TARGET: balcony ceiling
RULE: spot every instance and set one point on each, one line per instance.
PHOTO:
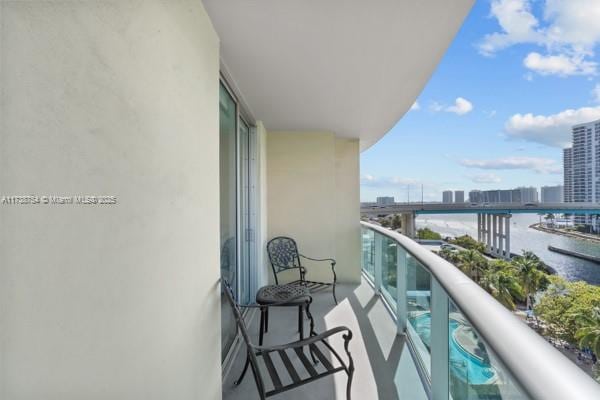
(352, 67)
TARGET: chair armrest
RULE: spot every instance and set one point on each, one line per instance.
(307, 341)
(331, 260)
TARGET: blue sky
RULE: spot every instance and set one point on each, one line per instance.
(498, 110)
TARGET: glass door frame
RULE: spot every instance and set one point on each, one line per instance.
(246, 208)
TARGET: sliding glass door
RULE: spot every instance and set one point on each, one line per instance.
(229, 215)
(236, 182)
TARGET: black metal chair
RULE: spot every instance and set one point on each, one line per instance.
(284, 256)
(296, 373)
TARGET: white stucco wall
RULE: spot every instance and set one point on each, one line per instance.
(313, 196)
(109, 302)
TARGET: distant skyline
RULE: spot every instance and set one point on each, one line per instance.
(499, 108)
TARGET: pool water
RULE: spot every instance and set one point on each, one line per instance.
(463, 364)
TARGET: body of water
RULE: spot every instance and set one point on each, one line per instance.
(524, 238)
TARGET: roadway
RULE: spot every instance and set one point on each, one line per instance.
(480, 208)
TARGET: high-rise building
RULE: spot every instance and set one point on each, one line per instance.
(586, 162)
(475, 196)
(447, 196)
(582, 168)
(528, 195)
(385, 201)
(552, 194)
(518, 195)
(568, 175)
(459, 196)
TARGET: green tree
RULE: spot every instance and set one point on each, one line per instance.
(533, 279)
(503, 285)
(469, 243)
(472, 263)
(589, 332)
(428, 234)
(396, 222)
(563, 304)
(550, 217)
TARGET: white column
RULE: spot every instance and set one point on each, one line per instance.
(501, 235)
(488, 229)
(479, 229)
(507, 234)
(494, 233)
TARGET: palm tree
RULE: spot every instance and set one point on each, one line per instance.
(532, 278)
(472, 263)
(589, 333)
(503, 286)
(550, 217)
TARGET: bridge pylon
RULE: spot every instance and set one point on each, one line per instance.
(493, 230)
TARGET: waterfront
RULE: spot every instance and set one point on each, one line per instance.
(525, 238)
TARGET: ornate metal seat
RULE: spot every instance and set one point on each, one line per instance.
(284, 256)
(299, 369)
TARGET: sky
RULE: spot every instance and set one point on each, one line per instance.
(498, 110)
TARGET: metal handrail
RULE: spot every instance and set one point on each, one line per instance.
(539, 369)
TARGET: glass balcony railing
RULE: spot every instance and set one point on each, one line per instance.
(466, 344)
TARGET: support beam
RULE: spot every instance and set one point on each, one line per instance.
(408, 224)
(501, 240)
(488, 228)
(507, 235)
(494, 234)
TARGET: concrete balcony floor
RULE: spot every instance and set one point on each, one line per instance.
(384, 366)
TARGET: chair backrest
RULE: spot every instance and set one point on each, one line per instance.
(239, 319)
(283, 255)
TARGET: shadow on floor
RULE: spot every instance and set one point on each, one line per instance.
(384, 367)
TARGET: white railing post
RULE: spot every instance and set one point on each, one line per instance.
(439, 342)
(378, 260)
(401, 310)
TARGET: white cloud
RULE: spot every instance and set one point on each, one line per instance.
(552, 130)
(561, 65)
(573, 23)
(370, 180)
(415, 106)
(567, 30)
(461, 106)
(518, 24)
(596, 93)
(539, 165)
(485, 178)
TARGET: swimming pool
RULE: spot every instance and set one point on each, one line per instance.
(464, 365)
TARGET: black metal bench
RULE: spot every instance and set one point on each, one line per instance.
(299, 369)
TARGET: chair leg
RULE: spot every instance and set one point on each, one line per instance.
(300, 322)
(267, 320)
(312, 328)
(259, 384)
(239, 380)
(261, 332)
(349, 386)
(334, 297)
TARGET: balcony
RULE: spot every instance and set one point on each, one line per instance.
(385, 368)
(424, 330)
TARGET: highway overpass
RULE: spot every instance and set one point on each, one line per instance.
(493, 219)
(480, 208)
